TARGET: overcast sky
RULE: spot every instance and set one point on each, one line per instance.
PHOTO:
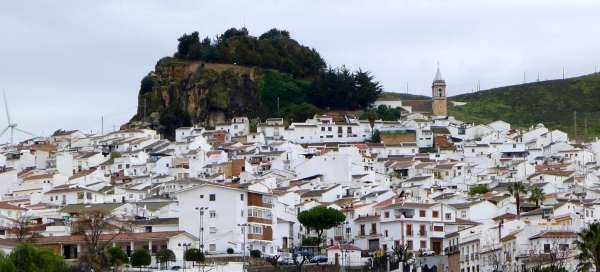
(64, 64)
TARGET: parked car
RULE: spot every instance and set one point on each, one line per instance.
(426, 253)
(319, 259)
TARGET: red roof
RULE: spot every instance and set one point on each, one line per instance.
(129, 236)
(8, 206)
(554, 234)
(82, 173)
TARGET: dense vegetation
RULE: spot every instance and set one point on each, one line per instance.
(382, 112)
(552, 102)
(334, 89)
(238, 74)
(28, 258)
(273, 49)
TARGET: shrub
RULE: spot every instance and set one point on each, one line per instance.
(164, 256)
(479, 189)
(193, 255)
(255, 253)
(116, 256)
(140, 257)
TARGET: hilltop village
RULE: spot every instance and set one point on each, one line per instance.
(460, 196)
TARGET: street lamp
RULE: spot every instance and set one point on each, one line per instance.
(343, 250)
(185, 246)
(243, 226)
(201, 230)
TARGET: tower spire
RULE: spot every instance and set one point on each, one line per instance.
(438, 74)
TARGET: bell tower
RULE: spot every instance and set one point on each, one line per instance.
(439, 104)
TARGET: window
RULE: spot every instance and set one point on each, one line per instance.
(423, 244)
(422, 230)
(242, 197)
(463, 214)
(212, 230)
(546, 248)
(373, 228)
(409, 229)
(148, 228)
(256, 229)
(322, 128)
(212, 247)
(435, 214)
(212, 214)
(438, 228)
(362, 229)
(422, 213)
(211, 197)
(386, 233)
(329, 129)
(409, 245)
(563, 247)
(386, 214)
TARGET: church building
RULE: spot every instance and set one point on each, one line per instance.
(439, 104)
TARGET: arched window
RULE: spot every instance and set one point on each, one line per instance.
(440, 92)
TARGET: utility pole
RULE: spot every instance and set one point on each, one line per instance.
(201, 227)
(524, 78)
(407, 87)
(575, 125)
(102, 125)
(144, 108)
(243, 226)
(585, 131)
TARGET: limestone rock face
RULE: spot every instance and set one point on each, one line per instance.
(208, 92)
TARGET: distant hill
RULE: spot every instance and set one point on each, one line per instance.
(552, 102)
(403, 96)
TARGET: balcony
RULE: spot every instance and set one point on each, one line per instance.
(451, 250)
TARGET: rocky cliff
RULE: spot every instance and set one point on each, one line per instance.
(208, 81)
(206, 92)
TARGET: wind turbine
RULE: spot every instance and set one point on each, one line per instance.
(11, 126)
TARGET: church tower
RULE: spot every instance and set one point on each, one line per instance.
(439, 104)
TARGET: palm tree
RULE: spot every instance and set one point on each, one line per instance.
(516, 189)
(536, 195)
(588, 245)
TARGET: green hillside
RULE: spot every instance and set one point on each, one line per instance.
(552, 102)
